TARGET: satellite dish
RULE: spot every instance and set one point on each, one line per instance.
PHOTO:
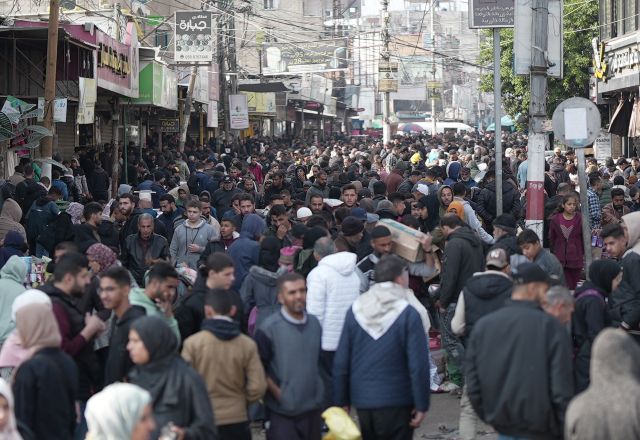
(68, 4)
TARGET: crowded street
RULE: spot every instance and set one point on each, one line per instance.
(319, 220)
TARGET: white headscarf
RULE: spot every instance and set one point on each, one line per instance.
(31, 296)
(114, 412)
(10, 432)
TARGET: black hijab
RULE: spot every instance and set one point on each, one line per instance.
(432, 204)
(269, 253)
(162, 344)
(602, 273)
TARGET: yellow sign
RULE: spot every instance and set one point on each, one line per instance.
(599, 64)
(109, 57)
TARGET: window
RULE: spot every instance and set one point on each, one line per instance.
(270, 4)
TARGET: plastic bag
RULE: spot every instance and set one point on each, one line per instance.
(341, 426)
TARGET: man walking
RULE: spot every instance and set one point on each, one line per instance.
(463, 256)
(144, 249)
(229, 363)
(382, 363)
(518, 369)
(115, 285)
(289, 346)
(332, 286)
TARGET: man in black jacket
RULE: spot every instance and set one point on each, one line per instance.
(487, 198)
(463, 256)
(98, 183)
(144, 249)
(87, 233)
(218, 273)
(518, 369)
(115, 284)
(484, 293)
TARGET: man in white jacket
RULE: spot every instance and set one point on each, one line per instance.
(332, 287)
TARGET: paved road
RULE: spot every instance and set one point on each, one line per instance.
(441, 422)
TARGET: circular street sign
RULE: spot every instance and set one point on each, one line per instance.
(576, 122)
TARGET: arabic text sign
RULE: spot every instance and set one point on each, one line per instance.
(602, 146)
(314, 56)
(170, 125)
(238, 112)
(193, 36)
(491, 13)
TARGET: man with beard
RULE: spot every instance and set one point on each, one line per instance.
(319, 188)
(70, 278)
(158, 295)
(221, 198)
(126, 205)
(144, 249)
(170, 212)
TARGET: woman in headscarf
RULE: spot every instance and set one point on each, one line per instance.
(75, 210)
(9, 429)
(427, 211)
(120, 411)
(591, 314)
(259, 288)
(609, 408)
(13, 244)
(179, 395)
(13, 353)
(46, 384)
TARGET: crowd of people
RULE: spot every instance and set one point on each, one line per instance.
(259, 284)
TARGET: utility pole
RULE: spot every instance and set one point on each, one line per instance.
(386, 38)
(50, 84)
(538, 140)
(186, 109)
(497, 100)
(433, 68)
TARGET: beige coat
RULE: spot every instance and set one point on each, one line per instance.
(232, 371)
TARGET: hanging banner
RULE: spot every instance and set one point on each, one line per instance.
(193, 36)
(314, 56)
(88, 97)
(59, 110)
(212, 114)
(238, 112)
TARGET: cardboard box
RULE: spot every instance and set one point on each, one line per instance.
(406, 241)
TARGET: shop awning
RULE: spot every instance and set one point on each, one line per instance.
(263, 87)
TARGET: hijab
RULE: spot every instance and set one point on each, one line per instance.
(13, 353)
(103, 255)
(161, 343)
(602, 273)
(269, 253)
(37, 328)
(75, 210)
(114, 412)
(10, 432)
(432, 204)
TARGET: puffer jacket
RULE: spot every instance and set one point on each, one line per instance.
(10, 219)
(332, 287)
(463, 256)
(484, 293)
(487, 201)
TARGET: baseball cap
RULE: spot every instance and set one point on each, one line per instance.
(530, 273)
(497, 258)
(421, 188)
(303, 212)
(227, 179)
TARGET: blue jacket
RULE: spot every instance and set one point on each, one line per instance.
(391, 371)
(245, 250)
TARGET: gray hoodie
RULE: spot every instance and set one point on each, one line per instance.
(185, 235)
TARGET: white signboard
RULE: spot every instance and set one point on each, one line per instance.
(193, 36)
(602, 146)
(212, 114)
(59, 110)
(238, 112)
(88, 98)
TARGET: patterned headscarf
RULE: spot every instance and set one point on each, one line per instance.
(75, 210)
(103, 255)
